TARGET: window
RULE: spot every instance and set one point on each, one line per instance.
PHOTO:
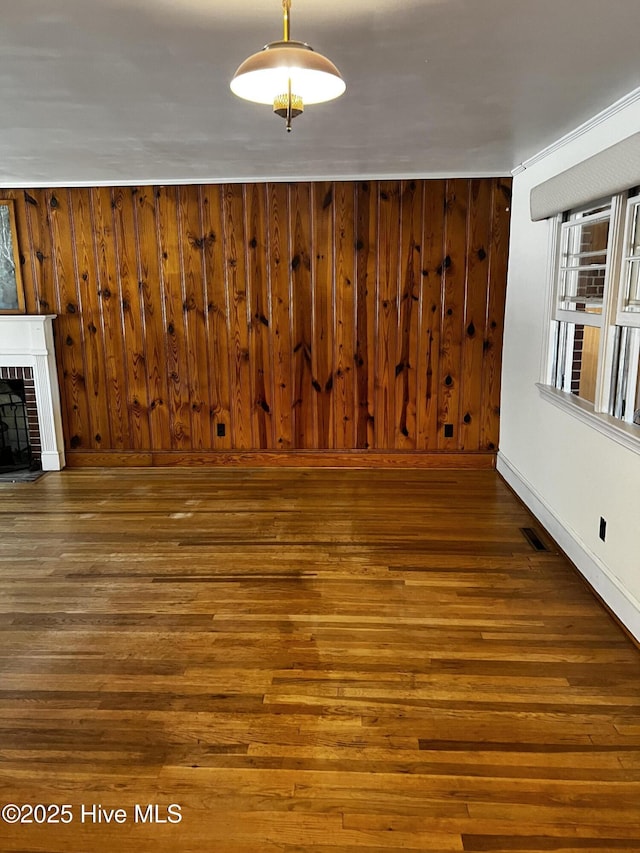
(626, 391)
(595, 336)
(630, 292)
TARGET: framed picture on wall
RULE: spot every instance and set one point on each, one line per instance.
(11, 289)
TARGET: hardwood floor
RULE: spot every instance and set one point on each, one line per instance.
(306, 661)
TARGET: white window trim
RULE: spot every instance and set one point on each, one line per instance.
(548, 352)
(627, 318)
(597, 417)
(611, 288)
(563, 227)
(579, 318)
(614, 428)
(630, 407)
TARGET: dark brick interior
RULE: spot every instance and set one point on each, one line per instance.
(26, 374)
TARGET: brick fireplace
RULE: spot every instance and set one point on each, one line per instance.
(27, 355)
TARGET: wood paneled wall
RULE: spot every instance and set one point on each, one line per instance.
(276, 317)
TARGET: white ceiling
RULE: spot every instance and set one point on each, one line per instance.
(125, 91)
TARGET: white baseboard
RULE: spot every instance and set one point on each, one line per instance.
(621, 602)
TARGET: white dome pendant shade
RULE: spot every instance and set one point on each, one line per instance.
(287, 74)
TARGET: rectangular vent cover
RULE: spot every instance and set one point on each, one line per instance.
(533, 539)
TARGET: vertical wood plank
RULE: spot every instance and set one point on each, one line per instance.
(344, 325)
(111, 307)
(89, 308)
(408, 315)
(323, 194)
(278, 218)
(69, 323)
(366, 276)
(39, 253)
(217, 329)
(389, 213)
(153, 317)
(259, 294)
(25, 254)
(235, 272)
(174, 302)
(452, 311)
(305, 429)
(192, 242)
(476, 291)
(494, 326)
(430, 312)
(134, 340)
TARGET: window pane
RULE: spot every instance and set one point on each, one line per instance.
(586, 243)
(635, 231)
(632, 301)
(576, 365)
(626, 376)
(631, 265)
(585, 363)
(583, 262)
(582, 290)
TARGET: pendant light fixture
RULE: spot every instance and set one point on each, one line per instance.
(288, 74)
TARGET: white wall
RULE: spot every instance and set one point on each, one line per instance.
(565, 471)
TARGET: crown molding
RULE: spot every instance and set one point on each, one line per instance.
(159, 181)
(618, 106)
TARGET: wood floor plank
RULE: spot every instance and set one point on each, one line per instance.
(306, 660)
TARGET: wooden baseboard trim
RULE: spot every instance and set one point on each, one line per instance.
(280, 459)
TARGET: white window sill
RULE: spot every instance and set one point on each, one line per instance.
(623, 433)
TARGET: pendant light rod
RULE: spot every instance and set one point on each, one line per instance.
(286, 8)
(289, 106)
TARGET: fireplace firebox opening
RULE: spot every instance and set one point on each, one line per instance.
(19, 434)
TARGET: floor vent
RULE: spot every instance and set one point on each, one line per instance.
(533, 539)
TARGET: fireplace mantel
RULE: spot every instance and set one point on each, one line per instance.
(27, 341)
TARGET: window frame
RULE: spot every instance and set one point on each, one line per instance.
(610, 321)
(565, 225)
(627, 408)
(628, 318)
